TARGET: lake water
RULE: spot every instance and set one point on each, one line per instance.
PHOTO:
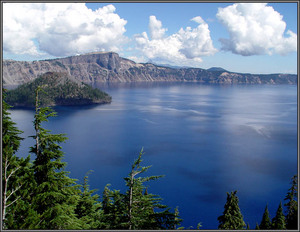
(206, 139)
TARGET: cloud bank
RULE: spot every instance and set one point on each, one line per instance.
(255, 29)
(186, 46)
(61, 29)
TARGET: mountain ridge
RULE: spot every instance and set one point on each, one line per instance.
(101, 67)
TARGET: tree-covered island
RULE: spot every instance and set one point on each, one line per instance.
(57, 89)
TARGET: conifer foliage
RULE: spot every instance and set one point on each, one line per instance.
(15, 172)
(278, 222)
(232, 218)
(55, 194)
(265, 223)
(292, 205)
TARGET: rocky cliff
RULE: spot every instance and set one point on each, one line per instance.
(110, 67)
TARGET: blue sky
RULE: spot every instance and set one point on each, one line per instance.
(248, 38)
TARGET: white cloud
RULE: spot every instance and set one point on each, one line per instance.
(186, 47)
(60, 29)
(155, 28)
(255, 29)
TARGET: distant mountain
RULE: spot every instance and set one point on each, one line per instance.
(58, 89)
(110, 67)
(217, 69)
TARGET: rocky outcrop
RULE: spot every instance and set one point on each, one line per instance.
(110, 67)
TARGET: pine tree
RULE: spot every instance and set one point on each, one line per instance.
(143, 207)
(278, 222)
(292, 205)
(232, 218)
(88, 207)
(257, 226)
(265, 223)
(248, 226)
(16, 175)
(56, 194)
(114, 210)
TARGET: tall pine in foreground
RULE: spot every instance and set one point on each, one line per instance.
(232, 218)
(265, 223)
(55, 194)
(16, 176)
(292, 205)
(278, 222)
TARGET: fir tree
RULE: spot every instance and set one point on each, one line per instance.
(16, 176)
(145, 210)
(248, 226)
(292, 205)
(257, 226)
(232, 219)
(114, 210)
(278, 222)
(88, 207)
(265, 223)
(55, 195)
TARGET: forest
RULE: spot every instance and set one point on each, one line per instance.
(37, 193)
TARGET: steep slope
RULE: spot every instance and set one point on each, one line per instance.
(58, 89)
(110, 67)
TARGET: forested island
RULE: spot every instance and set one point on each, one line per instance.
(41, 195)
(57, 89)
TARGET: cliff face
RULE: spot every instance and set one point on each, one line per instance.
(109, 67)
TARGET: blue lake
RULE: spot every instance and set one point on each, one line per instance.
(206, 139)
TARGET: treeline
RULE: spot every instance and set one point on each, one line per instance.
(41, 195)
(58, 89)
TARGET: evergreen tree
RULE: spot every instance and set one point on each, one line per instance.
(56, 194)
(257, 226)
(265, 223)
(292, 205)
(114, 210)
(248, 226)
(16, 176)
(232, 219)
(88, 207)
(278, 222)
(142, 206)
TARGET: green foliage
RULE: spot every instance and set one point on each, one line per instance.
(55, 194)
(265, 223)
(292, 205)
(114, 209)
(257, 227)
(88, 207)
(16, 175)
(278, 222)
(232, 218)
(136, 209)
(58, 89)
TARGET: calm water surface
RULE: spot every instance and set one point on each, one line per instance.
(206, 139)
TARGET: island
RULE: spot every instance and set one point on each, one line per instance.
(58, 89)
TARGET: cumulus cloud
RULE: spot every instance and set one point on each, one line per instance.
(60, 29)
(255, 29)
(187, 46)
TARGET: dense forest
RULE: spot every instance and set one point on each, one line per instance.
(39, 194)
(58, 89)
